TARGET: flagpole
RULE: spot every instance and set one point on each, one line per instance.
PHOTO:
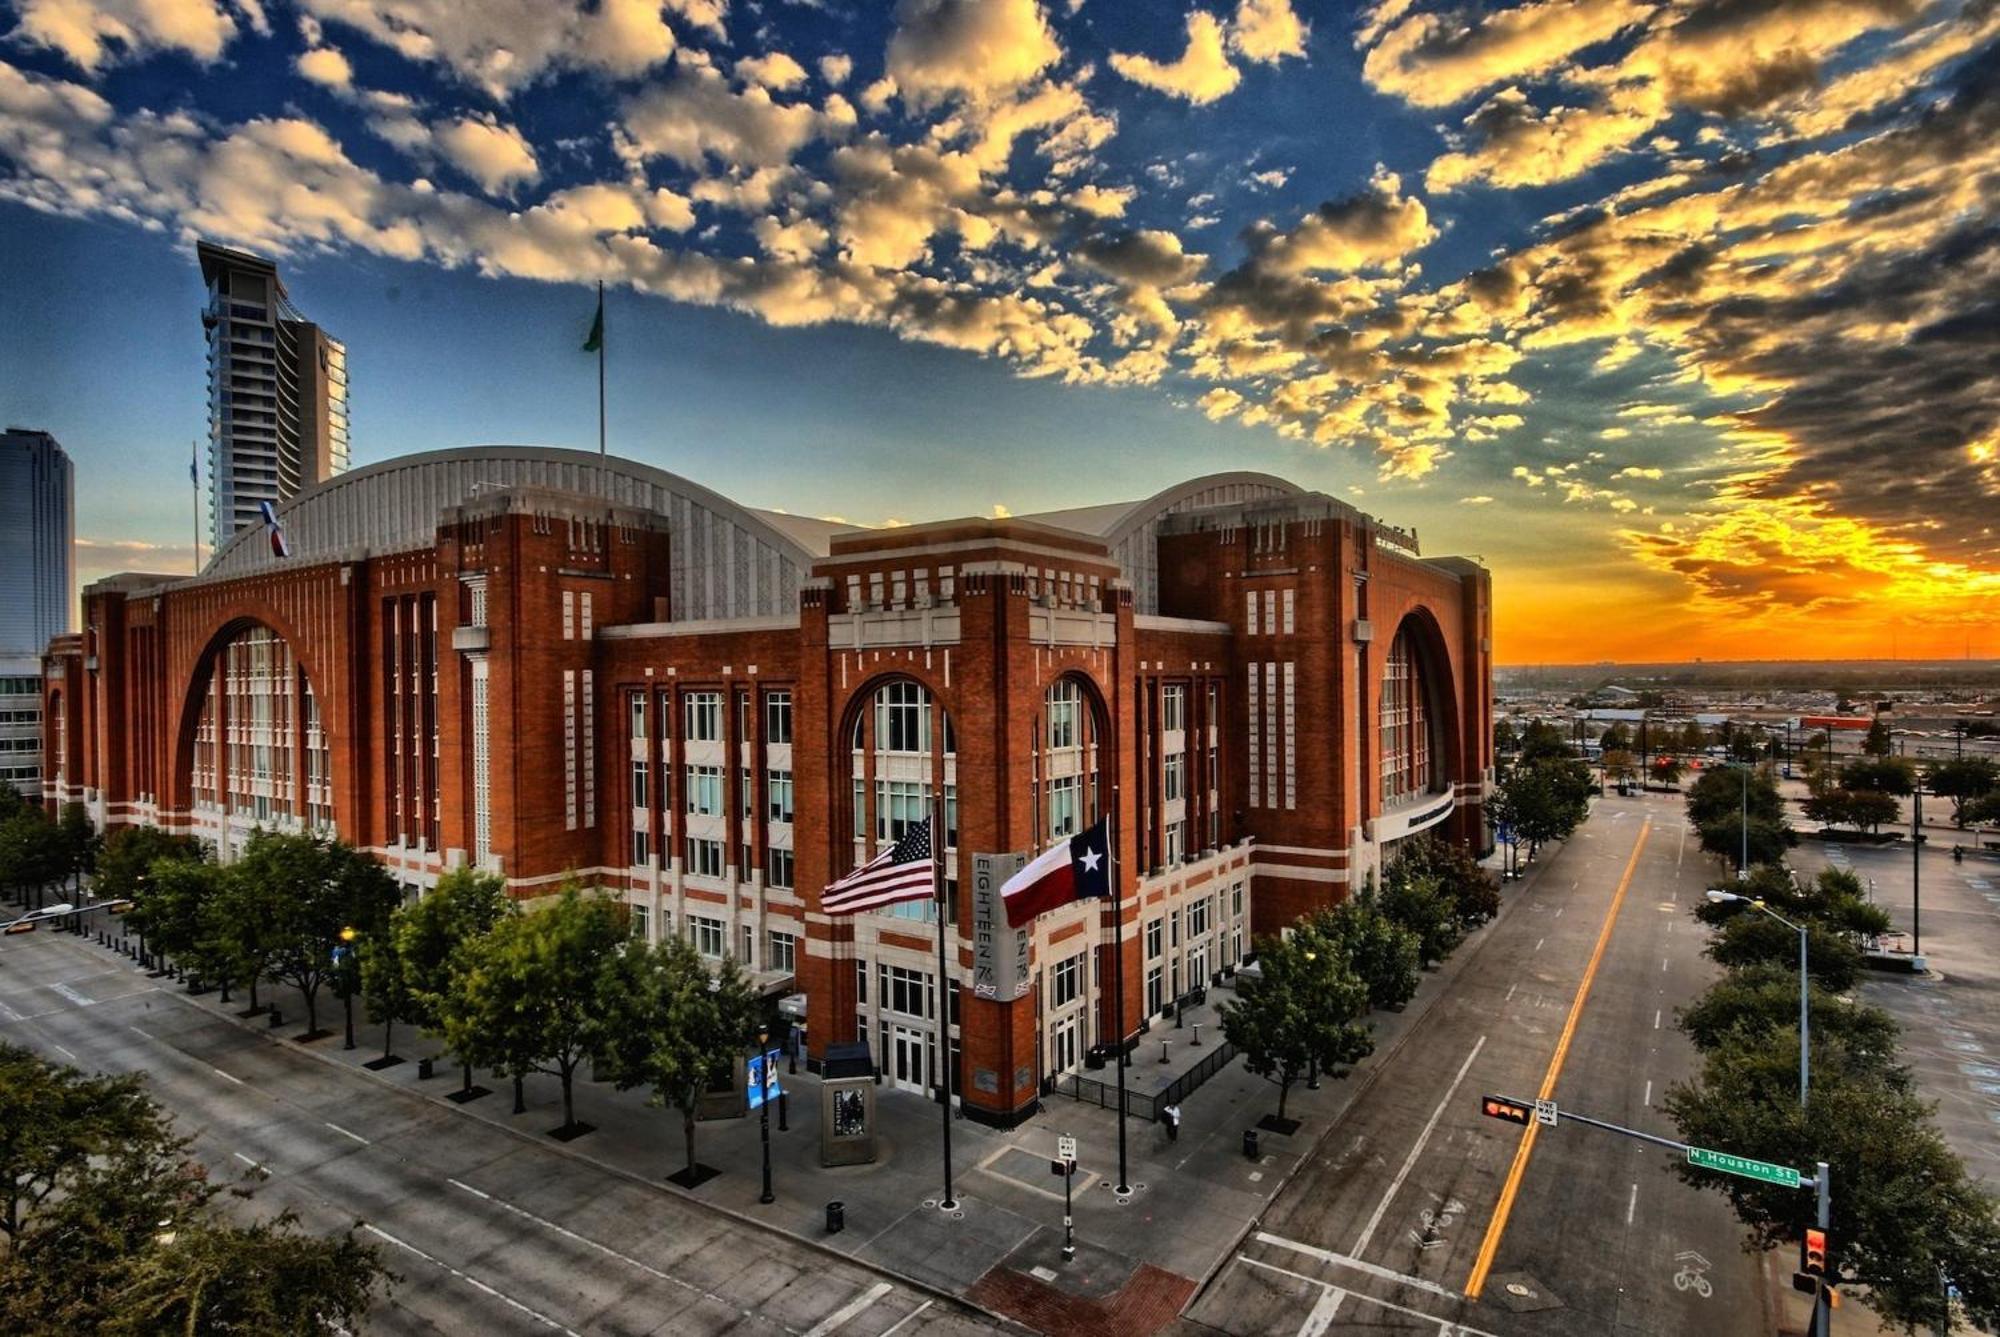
(1124, 1187)
(600, 368)
(194, 482)
(950, 1202)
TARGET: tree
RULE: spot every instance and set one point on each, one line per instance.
(1617, 738)
(1667, 770)
(323, 886)
(531, 987)
(385, 983)
(1753, 939)
(30, 853)
(1751, 1004)
(1383, 953)
(1504, 735)
(665, 1023)
(1878, 743)
(111, 1228)
(77, 842)
(1964, 780)
(432, 936)
(1693, 738)
(1904, 1210)
(1469, 889)
(1620, 766)
(1885, 775)
(125, 864)
(1859, 809)
(248, 928)
(1543, 800)
(1303, 1009)
(1542, 741)
(1983, 811)
(1717, 794)
(172, 909)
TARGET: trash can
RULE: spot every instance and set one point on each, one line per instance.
(426, 1067)
(1250, 1144)
(836, 1217)
(277, 1019)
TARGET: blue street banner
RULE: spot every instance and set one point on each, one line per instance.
(753, 1074)
(1504, 834)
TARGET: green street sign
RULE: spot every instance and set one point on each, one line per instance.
(1782, 1175)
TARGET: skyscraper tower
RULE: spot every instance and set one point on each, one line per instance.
(37, 595)
(277, 391)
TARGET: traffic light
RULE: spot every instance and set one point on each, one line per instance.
(1513, 1111)
(1815, 1251)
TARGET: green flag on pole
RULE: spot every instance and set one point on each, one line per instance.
(595, 342)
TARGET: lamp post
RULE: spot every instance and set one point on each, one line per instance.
(347, 936)
(764, 1109)
(1743, 868)
(1805, 1052)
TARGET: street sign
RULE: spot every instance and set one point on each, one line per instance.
(1545, 1112)
(1499, 1107)
(1065, 1148)
(1782, 1175)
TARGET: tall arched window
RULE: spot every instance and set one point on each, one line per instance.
(261, 750)
(902, 748)
(1066, 776)
(1407, 723)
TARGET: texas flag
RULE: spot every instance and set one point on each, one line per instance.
(280, 546)
(1076, 869)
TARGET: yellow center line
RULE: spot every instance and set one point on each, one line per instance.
(1498, 1225)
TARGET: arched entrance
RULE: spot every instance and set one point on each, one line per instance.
(258, 753)
(1418, 732)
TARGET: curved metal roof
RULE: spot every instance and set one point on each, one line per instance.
(729, 560)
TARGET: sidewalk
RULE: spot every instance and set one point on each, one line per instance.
(1139, 1259)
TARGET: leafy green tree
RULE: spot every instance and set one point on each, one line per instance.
(1617, 738)
(125, 863)
(385, 982)
(172, 909)
(250, 925)
(1857, 809)
(1832, 900)
(432, 935)
(30, 853)
(1303, 1009)
(1753, 939)
(1878, 743)
(1543, 741)
(1420, 903)
(1904, 1209)
(1718, 794)
(666, 1023)
(531, 987)
(1504, 735)
(1471, 890)
(1620, 766)
(1386, 955)
(111, 1228)
(1693, 738)
(1884, 775)
(1668, 770)
(1964, 780)
(1982, 811)
(322, 886)
(77, 841)
(1753, 1003)
(1543, 800)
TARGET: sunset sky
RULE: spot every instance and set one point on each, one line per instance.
(1685, 317)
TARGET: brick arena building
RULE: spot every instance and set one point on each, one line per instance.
(552, 664)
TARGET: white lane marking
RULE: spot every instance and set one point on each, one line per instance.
(834, 1321)
(64, 1052)
(1559, 912)
(9, 1014)
(1323, 1311)
(604, 1249)
(1631, 1204)
(246, 1160)
(472, 1281)
(226, 1076)
(1663, 965)
(1539, 942)
(80, 999)
(344, 1133)
(910, 1317)
(1656, 1018)
(1458, 1329)
(1648, 1100)
(1510, 992)
(1410, 1161)
(1359, 1265)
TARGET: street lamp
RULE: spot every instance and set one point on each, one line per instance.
(1727, 897)
(346, 955)
(1743, 868)
(764, 1108)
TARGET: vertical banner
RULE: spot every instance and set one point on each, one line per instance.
(999, 953)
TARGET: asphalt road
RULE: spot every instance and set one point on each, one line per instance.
(489, 1232)
(1384, 1230)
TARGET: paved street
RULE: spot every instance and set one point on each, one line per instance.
(1383, 1231)
(489, 1231)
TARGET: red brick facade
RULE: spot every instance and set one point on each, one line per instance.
(519, 690)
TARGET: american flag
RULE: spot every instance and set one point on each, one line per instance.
(900, 873)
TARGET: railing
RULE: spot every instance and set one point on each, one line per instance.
(1139, 1104)
(1176, 1090)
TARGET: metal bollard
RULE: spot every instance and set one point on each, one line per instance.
(836, 1217)
(1250, 1144)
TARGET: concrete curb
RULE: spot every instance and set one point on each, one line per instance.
(583, 1158)
(1381, 1061)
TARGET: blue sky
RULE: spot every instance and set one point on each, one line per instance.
(1675, 313)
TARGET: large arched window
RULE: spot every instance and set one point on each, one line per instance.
(1066, 763)
(1409, 722)
(260, 749)
(902, 749)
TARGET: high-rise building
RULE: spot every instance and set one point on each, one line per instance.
(277, 391)
(37, 528)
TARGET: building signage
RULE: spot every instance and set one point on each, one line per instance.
(999, 953)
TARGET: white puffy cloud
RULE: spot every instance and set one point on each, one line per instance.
(497, 156)
(696, 114)
(326, 66)
(94, 33)
(1267, 31)
(835, 67)
(773, 69)
(968, 48)
(1202, 74)
(1435, 59)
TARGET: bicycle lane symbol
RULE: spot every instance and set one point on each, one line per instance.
(1693, 1274)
